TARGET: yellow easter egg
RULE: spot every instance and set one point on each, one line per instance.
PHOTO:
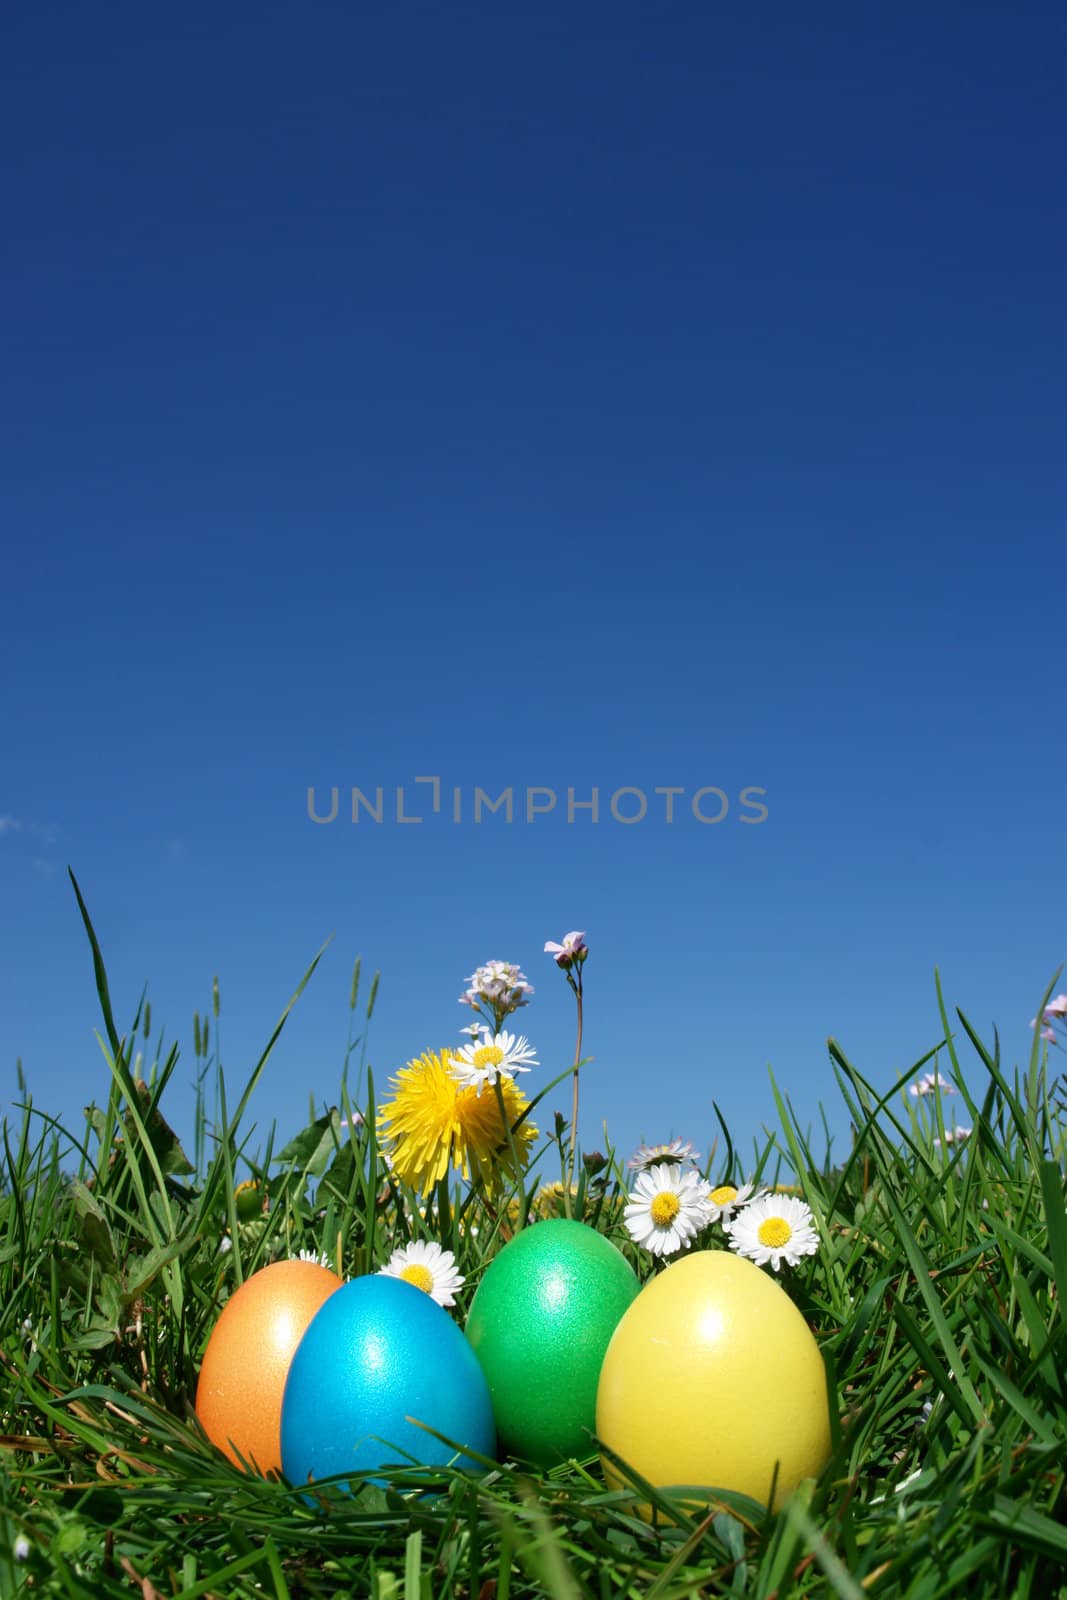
(713, 1377)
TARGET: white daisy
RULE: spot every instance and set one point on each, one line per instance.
(727, 1199)
(667, 1209)
(315, 1257)
(424, 1264)
(651, 1155)
(498, 1055)
(774, 1228)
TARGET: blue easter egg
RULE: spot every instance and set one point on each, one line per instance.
(378, 1353)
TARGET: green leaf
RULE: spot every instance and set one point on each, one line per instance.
(311, 1150)
(70, 1539)
(173, 1161)
(731, 1535)
(141, 1274)
(94, 1226)
(109, 1299)
(95, 1337)
(339, 1175)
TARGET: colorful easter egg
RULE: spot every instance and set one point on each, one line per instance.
(540, 1322)
(380, 1358)
(714, 1378)
(246, 1362)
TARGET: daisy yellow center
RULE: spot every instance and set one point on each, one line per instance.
(664, 1208)
(775, 1232)
(419, 1275)
(724, 1195)
(488, 1055)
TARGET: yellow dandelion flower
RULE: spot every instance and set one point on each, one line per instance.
(549, 1200)
(432, 1122)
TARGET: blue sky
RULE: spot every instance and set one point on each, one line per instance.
(551, 397)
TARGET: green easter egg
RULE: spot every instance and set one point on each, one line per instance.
(540, 1322)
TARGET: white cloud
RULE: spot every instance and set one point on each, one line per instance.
(46, 832)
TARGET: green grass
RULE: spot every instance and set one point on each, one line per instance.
(937, 1298)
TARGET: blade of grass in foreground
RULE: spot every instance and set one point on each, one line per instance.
(98, 969)
(842, 1584)
(921, 1273)
(1056, 1223)
(542, 1555)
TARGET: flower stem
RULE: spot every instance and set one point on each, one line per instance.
(569, 1185)
(516, 1163)
(444, 1213)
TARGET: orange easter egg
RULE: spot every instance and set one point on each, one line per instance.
(246, 1363)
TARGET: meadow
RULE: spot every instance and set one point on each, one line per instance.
(936, 1294)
